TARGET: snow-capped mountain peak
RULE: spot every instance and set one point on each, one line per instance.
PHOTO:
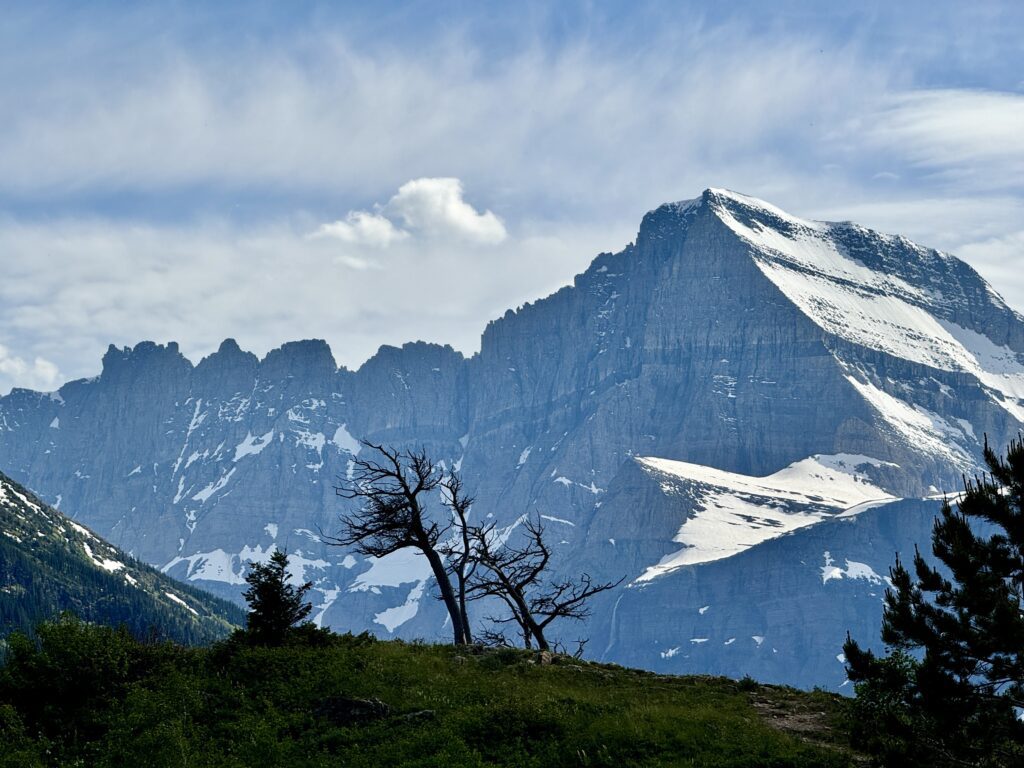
(739, 385)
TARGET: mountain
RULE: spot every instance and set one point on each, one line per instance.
(744, 413)
(50, 563)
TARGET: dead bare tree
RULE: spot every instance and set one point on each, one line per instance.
(516, 575)
(392, 487)
(458, 550)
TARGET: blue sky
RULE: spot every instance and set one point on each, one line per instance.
(376, 173)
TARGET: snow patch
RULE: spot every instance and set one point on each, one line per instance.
(558, 520)
(870, 308)
(106, 564)
(330, 597)
(226, 568)
(181, 602)
(733, 512)
(81, 529)
(344, 441)
(401, 567)
(312, 440)
(214, 487)
(524, 456)
(853, 570)
(920, 428)
(216, 565)
(392, 618)
(252, 446)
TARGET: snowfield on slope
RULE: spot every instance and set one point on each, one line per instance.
(732, 512)
(873, 309)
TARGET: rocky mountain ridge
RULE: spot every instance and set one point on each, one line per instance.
(736, 380)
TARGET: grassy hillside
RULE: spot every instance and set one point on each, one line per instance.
(88, 695)
(49, 564)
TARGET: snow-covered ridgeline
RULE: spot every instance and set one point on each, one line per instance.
(733, 512)
(873, 309)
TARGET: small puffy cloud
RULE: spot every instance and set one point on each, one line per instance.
(436, 208)
(428, 208)
(363, 228)
(15, 371)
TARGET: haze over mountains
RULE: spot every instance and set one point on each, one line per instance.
(742, 412)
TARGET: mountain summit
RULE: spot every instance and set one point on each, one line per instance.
(743, 412)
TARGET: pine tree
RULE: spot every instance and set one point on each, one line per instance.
(950, 688)
(275, 605)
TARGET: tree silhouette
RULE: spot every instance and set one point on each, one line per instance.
(275, 605)
(517, 574)
(393, 490)
(458, 550)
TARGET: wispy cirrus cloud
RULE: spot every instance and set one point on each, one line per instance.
(331, 183)
(971, 139)
(575, 127)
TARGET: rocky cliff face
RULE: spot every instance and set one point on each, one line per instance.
(734, 383)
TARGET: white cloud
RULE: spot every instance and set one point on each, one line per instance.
(999, 260)
(569, 145)
(430, 208)
(107, 282)
(970, 137)
(38, 374)
(363, 228)
(435, 207)
(582, 128)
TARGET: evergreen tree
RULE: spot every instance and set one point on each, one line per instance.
(275, 605)
(950, 688)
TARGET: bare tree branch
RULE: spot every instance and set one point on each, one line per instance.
(392, 487)
(517, 576)
(459, 550)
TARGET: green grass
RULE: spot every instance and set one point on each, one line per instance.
(236, 705)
